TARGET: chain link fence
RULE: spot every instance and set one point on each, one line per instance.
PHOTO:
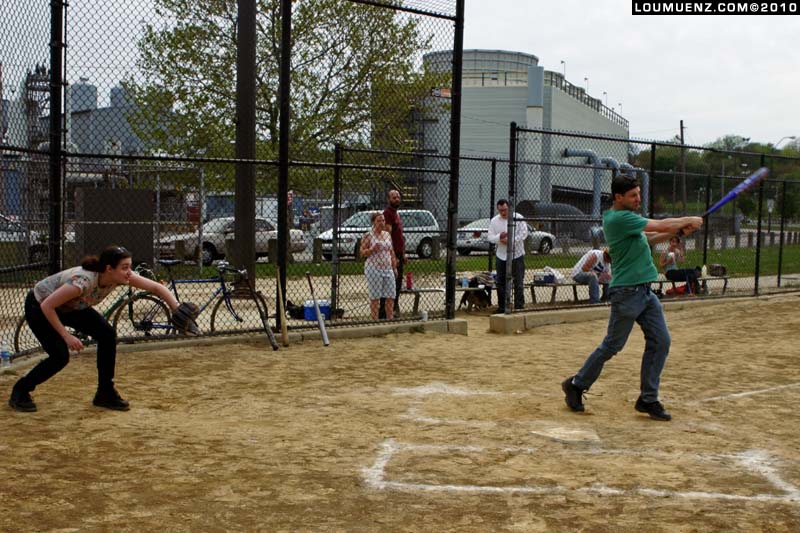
(149, 100)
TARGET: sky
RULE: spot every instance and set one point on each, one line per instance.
(721, 75)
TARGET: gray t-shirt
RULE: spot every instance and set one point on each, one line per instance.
(86, 280)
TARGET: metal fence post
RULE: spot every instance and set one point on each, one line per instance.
(245, 207)
(705, 226)
(652, 178)
(511, 222)
(783, 226)
(284, 95)
(455, 151)
(491, 210)
(337, 191)
(56, 212)
(758, 232)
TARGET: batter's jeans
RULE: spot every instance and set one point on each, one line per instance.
(86, 321)
(636, 303)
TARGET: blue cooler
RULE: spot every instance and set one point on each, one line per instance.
(324, 308)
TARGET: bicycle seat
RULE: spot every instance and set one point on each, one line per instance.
(169, 262)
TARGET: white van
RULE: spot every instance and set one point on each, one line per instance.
(419, 228)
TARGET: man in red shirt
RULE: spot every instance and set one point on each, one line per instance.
(395, 228)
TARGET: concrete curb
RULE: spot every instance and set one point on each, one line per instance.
(518, 322)
(455, 327)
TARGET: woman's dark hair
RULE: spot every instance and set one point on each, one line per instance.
(375, 215)
(111, 256)
(622, 183)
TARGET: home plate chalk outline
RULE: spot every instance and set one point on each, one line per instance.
(754, 461)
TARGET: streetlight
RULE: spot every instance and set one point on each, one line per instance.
(620, 107)
(564, 68)
(775, 145)
(605, 95)
(587, 84)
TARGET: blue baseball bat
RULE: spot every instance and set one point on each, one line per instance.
(749, 182)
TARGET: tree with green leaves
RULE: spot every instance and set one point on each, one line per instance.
(355, 77)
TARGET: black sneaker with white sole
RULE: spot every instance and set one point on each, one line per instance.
(573, 395)
(654, 409)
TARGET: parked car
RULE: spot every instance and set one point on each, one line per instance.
(419, 227)
(474, 237)
(34, 241)
(216, 230)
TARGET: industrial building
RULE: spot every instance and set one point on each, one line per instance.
(500, 87)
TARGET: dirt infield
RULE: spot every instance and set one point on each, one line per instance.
(422, 432)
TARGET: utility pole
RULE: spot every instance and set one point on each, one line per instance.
(683, 170)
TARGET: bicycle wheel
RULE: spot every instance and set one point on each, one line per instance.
(24, 339)
(142, 316)
(245, 315)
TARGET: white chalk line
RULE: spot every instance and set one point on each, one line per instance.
(748, 393)
(756, 462)
(448, 390)
(553, 432)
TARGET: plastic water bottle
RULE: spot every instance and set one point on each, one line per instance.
(704, 271)
(5, 354)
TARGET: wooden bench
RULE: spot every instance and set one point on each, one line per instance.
(703, 282)
(417, 292)
(555, 286)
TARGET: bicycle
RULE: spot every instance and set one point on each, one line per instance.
(25, 341)
(147, 315)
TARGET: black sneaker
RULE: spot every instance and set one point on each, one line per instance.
(21, 401)
(654, 409)
(573, 395)
(110, 399)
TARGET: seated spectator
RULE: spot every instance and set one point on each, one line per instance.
(671, 257)
(593, 269)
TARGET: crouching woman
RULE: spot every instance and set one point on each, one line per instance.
(67, 298)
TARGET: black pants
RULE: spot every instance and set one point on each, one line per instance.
(398, 283)
(518, 275)
(689, 275)
(87, 321)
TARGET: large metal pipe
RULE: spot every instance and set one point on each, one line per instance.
(597, 164)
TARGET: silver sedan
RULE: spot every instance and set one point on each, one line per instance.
(473, 237)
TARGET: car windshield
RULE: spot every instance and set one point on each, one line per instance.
(359, 220)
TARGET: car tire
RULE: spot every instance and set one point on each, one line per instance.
(38, 254)
(464, 251)
(208, 253)
(425, 248)
(546, 246)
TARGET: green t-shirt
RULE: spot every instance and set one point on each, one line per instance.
(631, 258)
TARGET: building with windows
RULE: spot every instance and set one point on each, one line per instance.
(500, 87)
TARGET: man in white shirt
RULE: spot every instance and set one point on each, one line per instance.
(593, 269)
(498, 235)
